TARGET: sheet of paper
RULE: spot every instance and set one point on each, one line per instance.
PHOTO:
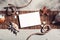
(29, 19)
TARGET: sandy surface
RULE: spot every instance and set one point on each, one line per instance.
(53, 34)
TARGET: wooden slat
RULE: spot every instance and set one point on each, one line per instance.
(11, 18)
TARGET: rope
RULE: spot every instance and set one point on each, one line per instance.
(36, 34)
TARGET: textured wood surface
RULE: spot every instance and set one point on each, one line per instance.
(11, 18)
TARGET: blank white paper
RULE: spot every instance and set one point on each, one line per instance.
(29, 19)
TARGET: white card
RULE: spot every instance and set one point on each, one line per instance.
(29, 19)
